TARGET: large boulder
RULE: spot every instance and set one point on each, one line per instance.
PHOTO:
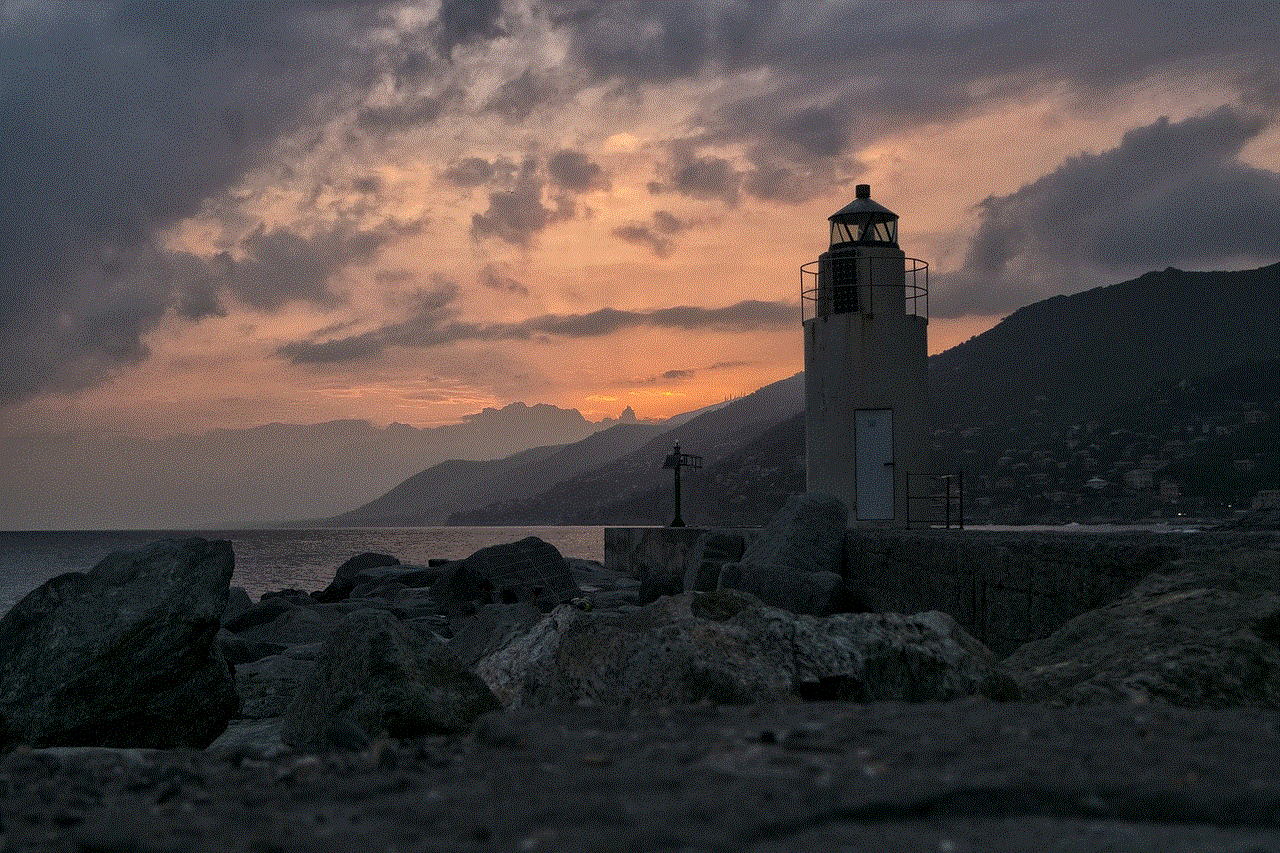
(530, 570)
(290, 621)
(710, 553)
(346, 576)
(489, 629)
(123, 655)
(797, 561)
(237, 650)
(1204, 634)
(728, 647)
(288, 624)
(238, 601)
(375, 675)
(268, 685)
(387, 581)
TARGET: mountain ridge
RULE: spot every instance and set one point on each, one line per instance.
(1067, 356)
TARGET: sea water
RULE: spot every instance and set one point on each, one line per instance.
(269, 560)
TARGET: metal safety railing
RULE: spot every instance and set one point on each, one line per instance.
(875, 282)
(943, 494)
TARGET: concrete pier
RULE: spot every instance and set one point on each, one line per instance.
(1006, 587)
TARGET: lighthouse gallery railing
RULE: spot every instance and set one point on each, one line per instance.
(914, 290)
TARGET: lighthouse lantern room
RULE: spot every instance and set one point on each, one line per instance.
(865, 311)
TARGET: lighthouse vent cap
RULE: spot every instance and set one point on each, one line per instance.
(863, 221)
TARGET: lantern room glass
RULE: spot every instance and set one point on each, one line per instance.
(870, 228)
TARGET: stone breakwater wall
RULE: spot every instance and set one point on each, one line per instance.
(655, 556)
(1005, 588)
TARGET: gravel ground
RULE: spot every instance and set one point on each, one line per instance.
(970, 775)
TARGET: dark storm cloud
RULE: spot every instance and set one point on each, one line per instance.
(1170, 193)
(840, 74)
(575, 172)
(656, 236)
(681, 373)
(116, 121)
(414, 112)
(668, 223)
(280, 266)
(817, 131)
(516, 215)
(430, 313)
(643, 235)
(646, 42)
(400, 275)
(700, 177)
(498, 277)
(119, 119)
(515, 99)
(513, 215)
(463, 22)
(434, 328)
(468, 172)
(771, 181)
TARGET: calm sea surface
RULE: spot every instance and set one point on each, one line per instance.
(271, 559)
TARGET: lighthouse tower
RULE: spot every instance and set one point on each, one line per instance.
(865, 310)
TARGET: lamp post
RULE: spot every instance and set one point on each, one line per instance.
(675, 461)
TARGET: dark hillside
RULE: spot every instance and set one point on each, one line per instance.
(597, 496)
(1092, 351)
(430, 496)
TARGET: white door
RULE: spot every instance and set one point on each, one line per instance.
(874, 452)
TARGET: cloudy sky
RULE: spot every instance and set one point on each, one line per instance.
(227, 215)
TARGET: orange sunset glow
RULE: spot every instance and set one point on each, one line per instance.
(232, 215)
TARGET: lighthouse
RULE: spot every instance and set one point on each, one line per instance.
(865, 313)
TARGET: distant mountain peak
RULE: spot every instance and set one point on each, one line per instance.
(519, 411)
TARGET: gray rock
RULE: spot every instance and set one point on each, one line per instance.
(386, 590)
(250, 738)
(797, 561)
(815, 593)
(491, 628)
(260, 613)
(712, 550)
(389, 581)
(806, 535)
(592, 576)
(407, 574)
(614, 598)
(293, 625)
(380, 676)
(130, 756)
(727, 647)
(267, 686)
(123, 655)
(294, 596)
(237, 650)
(1204, 634)
(344, 578)
(238, 602)
(304, 651)
(412, 603)
(526, 571)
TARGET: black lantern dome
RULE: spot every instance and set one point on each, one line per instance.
(862, 222)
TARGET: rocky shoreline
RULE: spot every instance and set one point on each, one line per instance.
(518, 700)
